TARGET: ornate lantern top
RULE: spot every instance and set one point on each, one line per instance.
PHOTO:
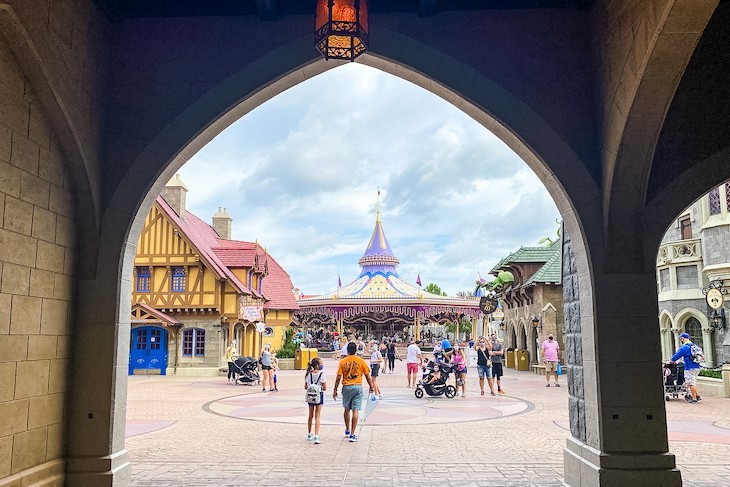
(341, 28)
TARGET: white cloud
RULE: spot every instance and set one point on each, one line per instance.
(300, 175)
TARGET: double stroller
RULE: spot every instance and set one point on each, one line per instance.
(434, 381)
(674, 385)
(247, 370)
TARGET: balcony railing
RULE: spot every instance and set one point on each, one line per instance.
(681, 251)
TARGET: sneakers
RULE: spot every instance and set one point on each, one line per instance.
(547, 385)
(316, 440)
(557, 385)
(347, 433)
(353, 438)
(309, 436)
(380, 396)
(501, 391)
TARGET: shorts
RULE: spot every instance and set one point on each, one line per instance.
(551, 367)
(497, 370)
(321, 400)
(374, 370)
(462, 371)
(484, 371)
(690, 376)
(412, 367)
(352, 397)
(266, 367)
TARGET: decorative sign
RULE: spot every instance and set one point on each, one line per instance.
(260, 326)
(250, 313)
(488, 304)
(715, 298)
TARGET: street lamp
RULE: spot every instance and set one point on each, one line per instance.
(536, 323)
(502, 326)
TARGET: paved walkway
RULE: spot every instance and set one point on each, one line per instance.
(201, 431)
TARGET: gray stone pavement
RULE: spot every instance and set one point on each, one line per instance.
(179, 441)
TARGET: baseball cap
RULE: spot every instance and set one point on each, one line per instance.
(684, 335)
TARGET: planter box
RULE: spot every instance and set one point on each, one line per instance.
(707, 386)
(286, 364)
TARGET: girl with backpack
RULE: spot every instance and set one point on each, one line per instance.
(315, 383)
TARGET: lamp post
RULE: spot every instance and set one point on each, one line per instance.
(536, 323)
(718, 319)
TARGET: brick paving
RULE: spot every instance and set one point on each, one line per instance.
(175, 438)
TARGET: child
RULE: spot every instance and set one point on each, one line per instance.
(274, 367)
(313, 381)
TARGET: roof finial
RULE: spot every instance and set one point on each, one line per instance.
(377, 207)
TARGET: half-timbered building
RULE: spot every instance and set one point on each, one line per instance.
(195, 289)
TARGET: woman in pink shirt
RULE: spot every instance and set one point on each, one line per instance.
(459, 361)
(550, 357)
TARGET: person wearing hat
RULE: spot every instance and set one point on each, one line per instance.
(551, 357)
(691, 368)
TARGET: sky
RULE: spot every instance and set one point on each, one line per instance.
(301, 173)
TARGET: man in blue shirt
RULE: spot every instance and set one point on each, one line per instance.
(691, 368)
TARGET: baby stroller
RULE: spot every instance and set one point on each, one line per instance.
(438, 387)
(674, 381)
(247, 370)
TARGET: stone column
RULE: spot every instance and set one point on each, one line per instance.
(675, 335)
(707, 346)
(665, 350)
(616, 407)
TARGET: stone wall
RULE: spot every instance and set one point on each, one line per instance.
(715, 248)
(573, 342)
(37, 260)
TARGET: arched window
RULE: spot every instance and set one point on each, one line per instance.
(694, 329)
(193, 344)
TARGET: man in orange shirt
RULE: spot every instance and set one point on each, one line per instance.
(350, 372)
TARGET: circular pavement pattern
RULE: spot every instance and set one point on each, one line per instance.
(398, 407)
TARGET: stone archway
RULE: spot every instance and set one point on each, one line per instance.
(97, 447)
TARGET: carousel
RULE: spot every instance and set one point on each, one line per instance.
(379, 303)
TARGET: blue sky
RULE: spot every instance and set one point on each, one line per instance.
(301, 173)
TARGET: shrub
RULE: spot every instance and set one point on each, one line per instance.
(289, 347)
(715, 374)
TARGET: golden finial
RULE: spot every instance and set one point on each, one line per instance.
(377, 208)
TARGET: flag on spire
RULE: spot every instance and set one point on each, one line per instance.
(339, 281)
(418, 279)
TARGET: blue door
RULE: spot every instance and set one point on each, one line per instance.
(148, 351)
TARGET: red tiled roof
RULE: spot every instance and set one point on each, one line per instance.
(221, 255)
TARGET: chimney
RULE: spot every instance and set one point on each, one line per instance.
(174, 193)
(222, 223)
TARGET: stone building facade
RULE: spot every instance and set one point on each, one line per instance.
(533, 304)
(695, 251)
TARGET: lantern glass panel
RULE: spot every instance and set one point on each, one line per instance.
(322, 14)
(344, 11)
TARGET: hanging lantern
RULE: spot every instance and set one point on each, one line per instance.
(341, 28)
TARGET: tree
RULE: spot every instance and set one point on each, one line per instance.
(434, 289)
(464, 294)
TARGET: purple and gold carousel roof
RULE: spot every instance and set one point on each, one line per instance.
(380, 288)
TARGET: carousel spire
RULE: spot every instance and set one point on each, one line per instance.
(378, 255)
